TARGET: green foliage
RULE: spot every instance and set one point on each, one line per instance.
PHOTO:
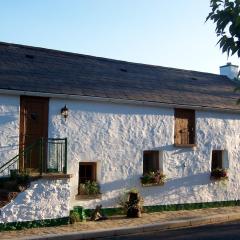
(74, 217)
(89, 188)
(153, 178)
(226, 15)
(80, 212)
(33, 224)
(20, 178)
(123, 200)
(219, 174)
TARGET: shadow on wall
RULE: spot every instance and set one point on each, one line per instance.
(171, 186)
(107, 108)
(8, 118)
(166, 191)
(9, 147)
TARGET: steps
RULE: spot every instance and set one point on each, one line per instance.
(6, 196)
(9, 189)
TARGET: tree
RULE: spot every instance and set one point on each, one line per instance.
(226, 15)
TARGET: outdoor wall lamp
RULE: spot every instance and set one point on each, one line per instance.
(64, 112)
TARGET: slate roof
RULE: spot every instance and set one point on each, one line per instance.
(35, 69)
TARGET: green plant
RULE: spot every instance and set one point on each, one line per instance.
(153, 178)
(13, 174)
(219, 174)
(19, 180)
(226, 15)
(89, 188)
(131, 203)
(74, 217)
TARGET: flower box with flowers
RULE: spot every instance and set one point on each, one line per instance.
(153, 179)
(219, 174)
(88, 190)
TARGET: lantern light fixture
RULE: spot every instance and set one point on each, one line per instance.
(64, 112)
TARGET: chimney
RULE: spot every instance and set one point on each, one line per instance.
(229, 70)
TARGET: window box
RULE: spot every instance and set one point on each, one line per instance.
(152, 184)
(88, 197)
(89, 188)
(219, 174)
(153, 179)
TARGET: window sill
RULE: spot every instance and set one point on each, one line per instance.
(217, 179)
(53, 176)
(185, 145)
(152, 184)
(88, 197)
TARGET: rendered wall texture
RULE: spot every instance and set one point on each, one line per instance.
(115, 136)
(9, 127)
(45, 199)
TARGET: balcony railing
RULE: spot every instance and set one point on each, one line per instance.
(43, 156)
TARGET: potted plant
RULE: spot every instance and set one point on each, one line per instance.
(132, 203)
(219, 174)
(89, 189)
(153, 178)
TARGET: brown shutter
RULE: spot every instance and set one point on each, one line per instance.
(184, 127)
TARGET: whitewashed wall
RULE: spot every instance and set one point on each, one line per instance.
(115, 136)
(9, 127)
(44, 199)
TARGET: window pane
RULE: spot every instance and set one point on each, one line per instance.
(82, 171)
(87, 172)
(150, 161)
(217, 159)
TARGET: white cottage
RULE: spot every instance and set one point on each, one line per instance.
(67, 118)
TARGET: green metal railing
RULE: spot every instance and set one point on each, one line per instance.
(43, 156)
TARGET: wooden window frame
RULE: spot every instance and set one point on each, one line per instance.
(219, 158)
(189, 139)
(158, 164)
(94, 173)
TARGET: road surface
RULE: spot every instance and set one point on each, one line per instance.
(225, 231)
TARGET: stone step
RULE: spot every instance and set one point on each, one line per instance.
(9, 189)
(3, 203)
(6, 195)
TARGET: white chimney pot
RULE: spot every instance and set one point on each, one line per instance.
(229, 70)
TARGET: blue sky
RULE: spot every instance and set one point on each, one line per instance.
(167, 33)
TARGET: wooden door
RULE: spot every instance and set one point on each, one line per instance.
(33, 126)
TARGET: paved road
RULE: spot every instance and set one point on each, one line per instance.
(226, 231)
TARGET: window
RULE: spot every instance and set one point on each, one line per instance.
(219, 165)
(87, 171)
(217, 160)
(184, 127)
(150, 161)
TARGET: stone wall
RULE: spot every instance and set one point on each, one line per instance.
(115, 136)
(44, 199)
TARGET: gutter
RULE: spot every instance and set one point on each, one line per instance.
(117, 100)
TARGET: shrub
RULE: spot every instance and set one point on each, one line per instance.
(74, 217)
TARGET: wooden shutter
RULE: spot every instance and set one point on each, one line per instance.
(184, 127)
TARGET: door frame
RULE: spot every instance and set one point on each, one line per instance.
(22, 125)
